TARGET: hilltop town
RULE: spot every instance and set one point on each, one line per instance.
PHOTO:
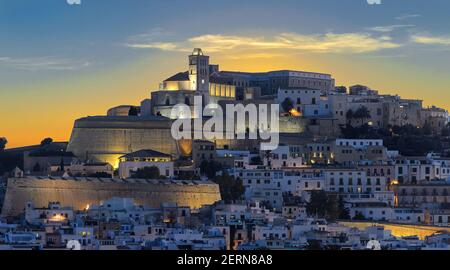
(354, 169)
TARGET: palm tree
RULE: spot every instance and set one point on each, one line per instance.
(349, 115)
(362, 113)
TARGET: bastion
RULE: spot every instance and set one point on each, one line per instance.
(82, 192)
(106, 138)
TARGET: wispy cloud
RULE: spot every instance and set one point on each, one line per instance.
(325, 43)
(154, 34)
(164, 46)
(390, 28)
(407, 16)
(43, 63)
(431, 40)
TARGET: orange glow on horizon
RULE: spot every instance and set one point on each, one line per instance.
(30, 113)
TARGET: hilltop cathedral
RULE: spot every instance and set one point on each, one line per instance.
(126, 128)
(202, 79)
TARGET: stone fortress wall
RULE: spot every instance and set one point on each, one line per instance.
(106, 138)
(81, 192)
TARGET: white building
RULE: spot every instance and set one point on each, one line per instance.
(306, 102)
(440, 217)
(233, 158)
(121, 209)
(372, 211)
(418, 169)
(353, 181)
(359, 143)
(132, 162)
(77, 168)
(271, 232)
(408, 215)
(54, 213)
(284, 157)
(301, 181)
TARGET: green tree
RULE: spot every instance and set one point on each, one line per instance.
(287, 105)
(317, 204)
(37, 168)
(344, 212)
(148, 173)
(349, 116)
(230, 189)
(326, 205)
(46, 141)
(314, 245)
(427, 130)
(362, 114)
(333, 210)
(210, 168)
(444, 133)
(133, 111)
(3, 143)
(359, 216)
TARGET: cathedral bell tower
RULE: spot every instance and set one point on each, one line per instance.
(199, 74)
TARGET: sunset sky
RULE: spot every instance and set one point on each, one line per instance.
(60, 62)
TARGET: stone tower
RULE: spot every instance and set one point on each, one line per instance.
(199, 73)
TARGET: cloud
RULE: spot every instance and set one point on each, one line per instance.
(325, 43)
(390, 28)
(431, 40)
(164, 46)
(154, 34)
(407, 16)
(43, 63)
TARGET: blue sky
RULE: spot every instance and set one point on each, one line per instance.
(77, 60)
(92, 35)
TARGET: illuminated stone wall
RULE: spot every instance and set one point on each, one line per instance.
(87, 191)
(400, 230)
(105, 139)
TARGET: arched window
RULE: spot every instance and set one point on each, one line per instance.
(167, 101)
(187, 101)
